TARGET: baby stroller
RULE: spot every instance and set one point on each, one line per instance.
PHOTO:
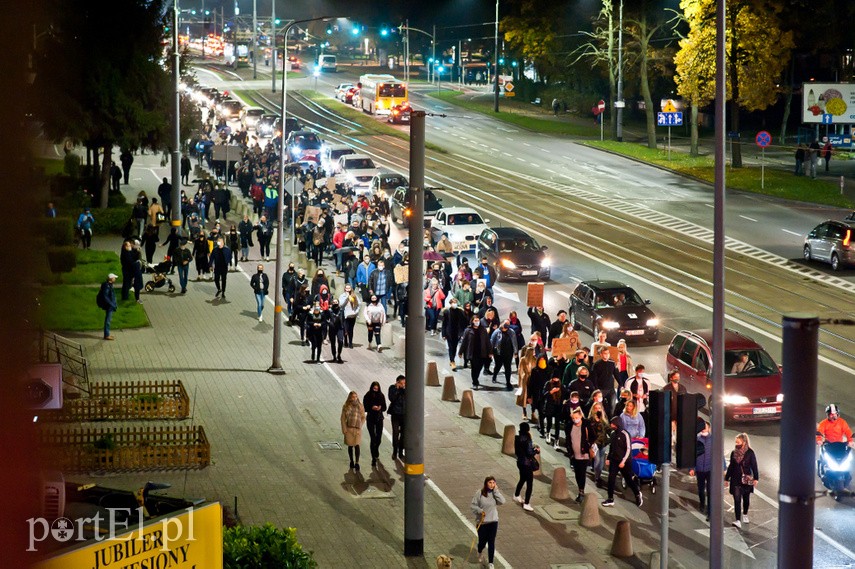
(159, 277)
(643, 469)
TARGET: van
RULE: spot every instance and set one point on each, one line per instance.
(327, 62)
(752, 379)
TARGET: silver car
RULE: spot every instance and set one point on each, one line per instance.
(831, 242)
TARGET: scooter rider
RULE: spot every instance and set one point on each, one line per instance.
(834, 428)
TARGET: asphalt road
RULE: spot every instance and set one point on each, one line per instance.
(606, 217)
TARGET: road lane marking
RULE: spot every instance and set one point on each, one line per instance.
(526, 144)
(791, 232)
(822, 535)
(709, 205)
(748, 218)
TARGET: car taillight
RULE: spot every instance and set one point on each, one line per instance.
(847, 238)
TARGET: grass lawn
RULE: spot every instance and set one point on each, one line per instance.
(93, 267)
(518, 114)
(73, 308)
(777, 183)
(51, 166)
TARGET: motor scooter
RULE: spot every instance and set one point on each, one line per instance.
(835, 463)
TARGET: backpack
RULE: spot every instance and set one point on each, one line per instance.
(101, 300)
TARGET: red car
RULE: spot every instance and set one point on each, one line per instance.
(400, 114)
(294, 62)
(350, 94)
(752, 379)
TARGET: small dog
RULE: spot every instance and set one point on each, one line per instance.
(443, 562)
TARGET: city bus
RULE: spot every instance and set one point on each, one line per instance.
(379, 93)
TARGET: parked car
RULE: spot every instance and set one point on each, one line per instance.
(614, 308)
(462, 224)
(356, 171)
(330, 155)
(752, 379)
(831, 242)
(399, 204)
(400, 114)
(341, 88)
(514, 254)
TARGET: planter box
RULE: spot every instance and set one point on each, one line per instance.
(125, 449)
(126, 400)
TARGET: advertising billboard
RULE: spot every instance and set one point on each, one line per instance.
(828, 103)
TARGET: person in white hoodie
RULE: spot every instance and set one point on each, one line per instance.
(349, 301)
(375, 318)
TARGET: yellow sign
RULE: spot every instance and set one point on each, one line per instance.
(509, 86)
(191, 540)
(510, 94)
(669, 107)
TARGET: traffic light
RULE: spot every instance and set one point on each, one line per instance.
(277, 21)
(501, 61)
(687, 428)
(384, 32)
(659, 433)
(329, 30)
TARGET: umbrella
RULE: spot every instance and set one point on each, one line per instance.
(432, 256)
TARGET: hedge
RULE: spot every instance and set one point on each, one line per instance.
(264, 547)
(57, 231)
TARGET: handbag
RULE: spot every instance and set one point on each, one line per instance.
(159, 217)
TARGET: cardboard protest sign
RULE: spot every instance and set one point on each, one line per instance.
(534, 295)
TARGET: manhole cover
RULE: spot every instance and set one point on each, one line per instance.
(571, 566)
(372, 492)
(329, 445)
(559, 512)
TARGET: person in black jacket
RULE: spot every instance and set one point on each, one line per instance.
(374, 403)
(397, 413)
(453, 325)
(553, 398)
(742, 475)
(260, 284)
(476, 347)
(316, 330)
(539, 322)
(580, 436)
(245, 231)
(556, 328)
(526, 452)
(335, 333)
(537, 381)
(583, 386)
(302, 305)
(219, 261)
(107, 303)
(618, 461)
(605, 377)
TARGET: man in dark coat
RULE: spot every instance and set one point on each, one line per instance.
(618, 461)
(186, 167)
(126, 158)
(556, 328)
(164, 190)
(397, 412)
(219, 262)
(605, 377)
(476, 347)
(107, 302)
(539, 322)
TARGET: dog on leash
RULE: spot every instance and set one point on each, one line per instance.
(443, 562)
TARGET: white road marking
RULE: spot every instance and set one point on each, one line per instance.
(507, 153)
(513, 296)
(791, 232)
(748, 218)
(520, 159)
(732, 539)
(709, 205)
(821, 535)
(526, 144)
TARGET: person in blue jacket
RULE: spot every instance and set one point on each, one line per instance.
(107, 303)
(703, 469)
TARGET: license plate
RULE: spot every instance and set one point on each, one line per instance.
(529, 273)
(765, 410)
(634, 332)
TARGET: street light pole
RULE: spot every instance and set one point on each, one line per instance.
(619, 103)
(407, 39)
(175, 218)
(254, 40)
(496, 63)
(433, 50)
(273, 46)
(276, 365)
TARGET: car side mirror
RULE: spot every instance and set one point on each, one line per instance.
(647, 301)
(577, 326)
(486, 221)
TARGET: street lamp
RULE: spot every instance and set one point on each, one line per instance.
(276, 366)
(432, 43)
(619, 103)
(496, 62)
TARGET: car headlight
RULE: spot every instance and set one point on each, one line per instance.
(609, 325)
(546, 262)
(779, 398)
(508, 264)
(736, 400)
(653, 323)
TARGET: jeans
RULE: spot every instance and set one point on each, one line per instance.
(430, 317)
(336, 344)
(108, 319)
(183, 271)
(259, 300)
(487, 536)
(599, 462)
(397, 435)
(374, 333)
(375, 432)
(244, 252)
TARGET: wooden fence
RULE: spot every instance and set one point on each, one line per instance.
(75, 366)
(124, 401)
(125, 449)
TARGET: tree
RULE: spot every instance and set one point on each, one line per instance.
(530, 30)
(99, 76)
(600, 50)
(757, 50)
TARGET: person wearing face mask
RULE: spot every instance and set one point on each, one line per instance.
(526, 452)
(742, 476)
(453, 325)
(553, 397)
(302, 307)
(475, 344)
(374, 403)
(259, 283)
(703, 469)
(583, 386)
(245, 231)
(335, 330)
(539, 321)
(571, 372)
(536, 383)
(363, 271)
(603, 432)
(433, 297)
(349, 301)
(618, 462)
(504, 344)
(219, 261)
(604, 376)
(289, 278)
(316, 330)
(375, 317)
(319, 280)
(675, 387)
(381, 283)
(581, 442)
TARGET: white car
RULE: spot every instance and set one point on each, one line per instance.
(341, 90)
(462, 224)
(356, 171)
(330, 155)
(249, 116)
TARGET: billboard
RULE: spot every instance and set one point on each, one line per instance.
(828, 103)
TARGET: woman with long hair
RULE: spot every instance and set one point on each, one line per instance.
(602, 431)
(484, 506)
(352, 419)
(374, 403)
(742, 475)
(526, 452)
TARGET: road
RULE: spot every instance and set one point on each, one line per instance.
(603, 216)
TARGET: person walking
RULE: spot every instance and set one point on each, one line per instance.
(335, 330)
(623, 363)
(676, 388)
(375, 318)
(245, 232)
(350, 303)
(149, 242)
(186, 166)
(127, 159)
(316, 330)
(234, 246)
(85, 221)
(632, 421)
(453, 325)
(827, 149)
(260, 283)
(552, 404)
(200, 254)
(397, 414)
(524, 369)
(703, 469)
(156, 215)
(219, 261)
(602, 432)
(536, 383)
(581, 447)
(604, 376)
(504, 344)
(302, 306)
(181, 261)
(475, 347)
(352, 419)
(618, 461)
(106, 301)
(484, 506)
(813, 157)
(800, 160)
(433, 298)
(264, 232)
(115, 177)
(742, 476)
(526, 452)
(374, 403)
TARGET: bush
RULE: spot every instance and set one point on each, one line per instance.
(116, 200)
(58, 231)
(71, 165)
(264, 547)
(62, 259)
(62, 186)
(112, 219)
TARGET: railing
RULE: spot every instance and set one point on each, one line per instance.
(124, 401)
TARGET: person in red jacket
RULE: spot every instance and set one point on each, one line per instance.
(834, 428)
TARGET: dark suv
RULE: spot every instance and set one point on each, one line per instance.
(614, 308)
(752, 379)
(514, 254)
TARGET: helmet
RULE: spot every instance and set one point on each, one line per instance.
(832, 409)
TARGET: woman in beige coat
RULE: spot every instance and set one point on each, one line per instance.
(524, 368)
(352, 419)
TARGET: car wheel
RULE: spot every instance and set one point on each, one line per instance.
(835, 262)
(807, 253)
(393, 216)
(572, 316)
(499, 275)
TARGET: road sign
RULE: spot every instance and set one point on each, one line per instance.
(669, 119)
(601, 105)
(827, 118)
(763, 139)
(509, 86)
(669, 107)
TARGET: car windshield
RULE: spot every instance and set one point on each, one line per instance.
(306, 141)
(338, 153)
(254, 112)
(359, 164)
(754, 362)
(618, 297)
(465, 219)
(387, 182)
(518, 244)
(431, 201)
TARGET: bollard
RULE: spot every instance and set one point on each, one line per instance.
(467, 405)
(488, 423)
(431, 375)
(400, 347)
(449, 392)
(590, 517)
(558, 490)
(311, 268)
(622, 542)
(508, 436)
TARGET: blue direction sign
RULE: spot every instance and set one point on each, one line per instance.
(763, 139)
(669, 119)
(826, 118)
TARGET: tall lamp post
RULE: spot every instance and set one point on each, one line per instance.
(496, 63)
(273, 46)
(254, 40)
(175, 220)
(432, 43)
(619, 103)
(276, 365)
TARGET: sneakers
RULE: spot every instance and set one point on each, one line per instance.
(745, 519)
(528, 508)
(109, 338)
(579, 498)
(518, 499)
(555, 445)
(549, 438)
(608, 503)
(260, 318)
(481, 559)
(639, 500)
(737, 524)
(489, 566)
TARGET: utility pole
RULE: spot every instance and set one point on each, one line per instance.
(255, 42)
(433, 51)
(496, 63)
(273, 46)
(414, 363)
(175, 218)
(407, 51)
(619, 103)
(460, 62)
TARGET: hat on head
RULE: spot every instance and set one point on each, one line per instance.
(112, 276)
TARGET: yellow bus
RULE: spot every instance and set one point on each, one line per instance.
(379, 93)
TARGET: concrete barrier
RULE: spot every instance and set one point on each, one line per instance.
(622, 542)
(432, 375)
(488, 423)
(400, 347)
(467, 405)
(449, 391)
(590, 517)
(558, 490)
(508, 440)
